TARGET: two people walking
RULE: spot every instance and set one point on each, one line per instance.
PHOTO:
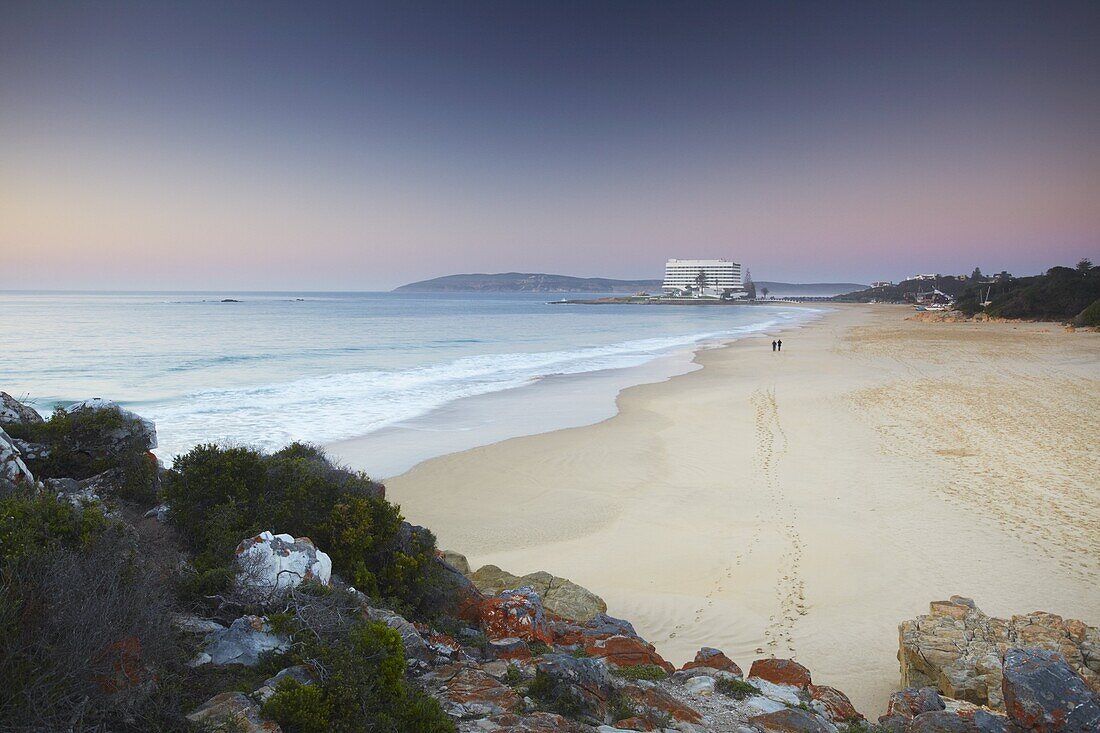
(777, 345)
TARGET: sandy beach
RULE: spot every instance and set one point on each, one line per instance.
(800, 504)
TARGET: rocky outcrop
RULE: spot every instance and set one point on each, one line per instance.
(132, 430)
(232, 711)
(13, 472)
(709, 658)
(586, 682)
(1042, 694)
(515, 613)
(243, 642)
(14, 411)
(959, 650)
(470, 692)
(560, 596)
(270, 562)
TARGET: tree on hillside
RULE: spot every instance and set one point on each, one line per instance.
(977, 274)
(750, 286)
(1084, 265)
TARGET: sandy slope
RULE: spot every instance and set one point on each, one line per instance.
(803, 503)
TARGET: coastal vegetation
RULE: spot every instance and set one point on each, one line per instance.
(1066, 294)
(194, 616)
(1060, 294)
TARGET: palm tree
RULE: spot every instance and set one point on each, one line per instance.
(765, 292)
(701, 280)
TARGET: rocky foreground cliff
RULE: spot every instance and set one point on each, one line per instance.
(250, 592)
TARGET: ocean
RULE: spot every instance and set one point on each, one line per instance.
(272, 368)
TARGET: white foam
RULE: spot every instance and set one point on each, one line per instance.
(324, 409)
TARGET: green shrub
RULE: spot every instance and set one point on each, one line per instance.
(363, 688)
(1089, 316)
(735, 688)
(35, 524)
(619, 707)
(298, 708)
(88, 442)
(641, 672)
(220, 496)
(538, 648)
(512, 676)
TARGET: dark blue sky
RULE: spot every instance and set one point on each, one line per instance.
(359, 145)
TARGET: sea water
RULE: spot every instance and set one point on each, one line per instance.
(272, 368)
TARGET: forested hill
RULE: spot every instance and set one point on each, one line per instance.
(531, 282)
(1060, 294)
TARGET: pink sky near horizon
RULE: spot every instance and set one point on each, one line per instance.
(110, 180)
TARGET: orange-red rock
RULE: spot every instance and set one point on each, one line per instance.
(626, 651)
(659, 700)
(635, 723)
(837, 704)
(473, 687)
(517, 613)
(713, 659)
(781, 672)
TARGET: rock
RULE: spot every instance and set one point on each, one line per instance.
(515, 613)
(469, 692)
(298, 672)
(159, 512)
(67, 489)
(31, 451)
(191, 624)
(509, 649)
(586, 681)
(458, 562)
(657, 702)
(531, 723)
(700, 685)
(940, 721)
(833, 704)
(958, 649)
(911, 702)
(627, 651)
(790, 720)
(582, 634)
(14, 411)
(560, 596)
(133, 431)
(232, 711)
(710, 658)
(1043, 694)
(416, 647)
(781, 672)
(243, 642)
(272, 562)
(13, 472)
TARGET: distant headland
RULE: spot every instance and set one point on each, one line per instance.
(537, 282)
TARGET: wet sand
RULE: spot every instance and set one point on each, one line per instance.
(800, 504)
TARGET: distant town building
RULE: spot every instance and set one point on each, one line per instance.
(881, 284)
(921, 277)
(704, 278)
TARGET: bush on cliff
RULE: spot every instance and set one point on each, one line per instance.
(84, 443)
(221, 495)
(360, 667)
(84, 621)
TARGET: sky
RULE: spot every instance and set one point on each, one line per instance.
(357, 146)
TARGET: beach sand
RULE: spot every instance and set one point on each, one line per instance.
(801, 504)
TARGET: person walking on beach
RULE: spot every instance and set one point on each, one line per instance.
(773, 344)
(779, 343)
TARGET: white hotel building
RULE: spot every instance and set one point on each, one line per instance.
(722, 278)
